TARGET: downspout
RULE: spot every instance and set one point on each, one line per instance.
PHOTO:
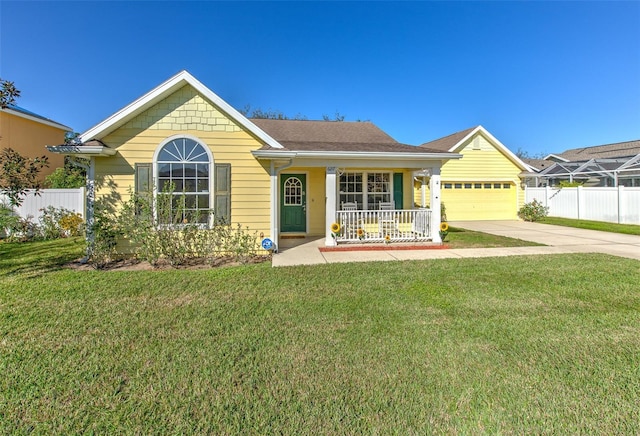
(275, 200)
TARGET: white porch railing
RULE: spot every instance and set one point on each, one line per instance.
(376, 225)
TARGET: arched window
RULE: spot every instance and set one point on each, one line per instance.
(183, 168)
(293, 192)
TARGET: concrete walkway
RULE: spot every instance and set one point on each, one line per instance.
(557, 240)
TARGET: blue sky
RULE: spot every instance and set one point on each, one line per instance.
(541, 76)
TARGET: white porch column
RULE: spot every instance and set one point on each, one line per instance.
(423, 192)
(434, 186)
(330, 205)
(273, 225)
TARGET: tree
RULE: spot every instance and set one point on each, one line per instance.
(74, 172)
(524, 154)
(269, 114)
(337, 117)
(19, 174)
(71, 175)
(8, 93)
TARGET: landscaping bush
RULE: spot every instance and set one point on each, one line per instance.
(156, 233)
(59, 223)
(533, 211)
(103, 240)
(9, 221)
(54, 223)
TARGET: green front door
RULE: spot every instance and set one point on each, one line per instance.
(293, 206)
(398, 193)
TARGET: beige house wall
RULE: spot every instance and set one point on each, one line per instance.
(29, 138)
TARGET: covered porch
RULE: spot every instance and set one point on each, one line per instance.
(392, 225)
(321, 201)
(350, 182)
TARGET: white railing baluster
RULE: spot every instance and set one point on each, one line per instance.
(375, 225)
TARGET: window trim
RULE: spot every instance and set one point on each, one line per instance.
(210, 162)
(365, 187)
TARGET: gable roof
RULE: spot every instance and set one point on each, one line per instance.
(333, 136)
(618, 149)
(157, 94)
(450, 142)
(27, 114)
(456, 141)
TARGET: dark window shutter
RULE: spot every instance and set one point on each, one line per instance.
(143, 186)
(222, 193)
(144, 177)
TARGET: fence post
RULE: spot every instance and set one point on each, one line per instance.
(580, 201)
(546, 196)
(621, 204)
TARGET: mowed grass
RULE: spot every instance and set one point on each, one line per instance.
(495, 345)
(463, 238)
(629, 229)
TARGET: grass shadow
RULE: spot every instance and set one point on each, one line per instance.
(36, 258)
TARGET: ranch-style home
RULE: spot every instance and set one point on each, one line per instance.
(346, 181)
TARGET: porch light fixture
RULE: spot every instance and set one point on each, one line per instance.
(424, 172)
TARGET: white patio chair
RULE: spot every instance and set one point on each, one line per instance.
(351, 222)
(349, 206)
(386, 219)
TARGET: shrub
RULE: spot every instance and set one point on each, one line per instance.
(568, 184)
(9, 221)
(103, 241)
(158, 233)
(59, 223)
(533, 211)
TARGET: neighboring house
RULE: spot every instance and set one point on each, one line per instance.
(600, 165)
(486, 184)
(28, 133)
(280, 178)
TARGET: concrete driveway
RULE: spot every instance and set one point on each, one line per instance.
(570, 239)
(557, 240)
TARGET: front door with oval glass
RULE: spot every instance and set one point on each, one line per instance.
(293, 206)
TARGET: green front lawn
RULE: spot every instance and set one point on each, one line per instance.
(495, 345)
(463, 238)
(628, 229)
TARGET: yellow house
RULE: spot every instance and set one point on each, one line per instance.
(28, 133)
(486, 184)
(280, 178)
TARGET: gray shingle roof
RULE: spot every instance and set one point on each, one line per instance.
(538, 164)
(306, 135)
(619, 149)
(445, 144)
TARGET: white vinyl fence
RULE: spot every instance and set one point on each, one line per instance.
(614, 205)
(70, 199)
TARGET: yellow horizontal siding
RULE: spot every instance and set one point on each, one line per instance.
(137, 141)
(482, 163)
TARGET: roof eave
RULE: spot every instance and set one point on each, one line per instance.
(46, 122)
(155, 95)
(519, 162)
(276, 154)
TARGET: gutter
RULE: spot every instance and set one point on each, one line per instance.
(272, 154)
